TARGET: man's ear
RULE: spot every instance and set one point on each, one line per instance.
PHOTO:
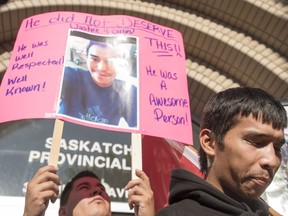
(207, 142)
(61, 211)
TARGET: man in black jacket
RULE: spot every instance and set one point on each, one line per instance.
(241, 134)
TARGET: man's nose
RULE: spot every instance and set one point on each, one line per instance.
(96, 191)
(103, 65)
(270, 159)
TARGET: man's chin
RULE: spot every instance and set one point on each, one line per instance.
(102, 82)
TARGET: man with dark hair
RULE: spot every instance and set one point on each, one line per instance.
(69, 186)
(85, 184)
(241, 135)
(84, 195)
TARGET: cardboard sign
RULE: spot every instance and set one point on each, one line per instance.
(152, 63)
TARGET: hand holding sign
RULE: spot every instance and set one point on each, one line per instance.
(87, 80)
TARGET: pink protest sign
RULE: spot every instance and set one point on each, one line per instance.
(113, 72)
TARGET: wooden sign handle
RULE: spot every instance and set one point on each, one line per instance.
(136, 153)
(56, 141)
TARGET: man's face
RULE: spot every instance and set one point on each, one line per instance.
(249, 160)
(101, 64)
(87, 197)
